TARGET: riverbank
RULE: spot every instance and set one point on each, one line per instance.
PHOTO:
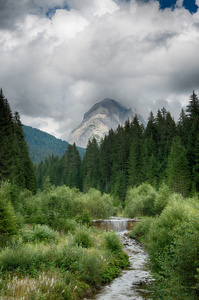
(40, 263)
(133, 282)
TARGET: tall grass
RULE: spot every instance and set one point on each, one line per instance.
(64, 268)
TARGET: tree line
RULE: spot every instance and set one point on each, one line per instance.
(15, 162)
(164, 151)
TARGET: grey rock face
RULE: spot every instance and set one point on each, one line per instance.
(99, 120)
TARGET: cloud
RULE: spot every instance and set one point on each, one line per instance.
(53, 69)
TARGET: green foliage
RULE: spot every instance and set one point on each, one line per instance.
(39, 233)
(112, 242)
(15, 162)
(8, 224)
(42, 145)
(92, 268)
(141, 229)
(172, 243)
(162, 198)
(57, 270)
(178, 169)
(84, 218)
(98, 206)
(82, 237)
(140, 201)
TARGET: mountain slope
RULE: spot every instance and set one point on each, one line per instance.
(99, 120)
(42, 144)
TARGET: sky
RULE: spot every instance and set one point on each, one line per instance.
(60, 57)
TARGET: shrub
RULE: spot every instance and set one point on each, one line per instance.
(141, 229)
(91, 268)
(24, 258)
(84, 218)
(97, 205)
(39, 233)
(140, 201)
(82, 237)
(112, 242)
(162, 198)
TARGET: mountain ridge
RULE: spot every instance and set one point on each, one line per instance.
(42, 144)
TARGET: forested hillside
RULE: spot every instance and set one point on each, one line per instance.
(15, 162)
(41, 144)
(164, 151)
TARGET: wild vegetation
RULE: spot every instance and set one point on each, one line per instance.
(48, 248)
(169, 230)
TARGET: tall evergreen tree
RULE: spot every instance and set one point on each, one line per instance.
(15, 162)
(193, 136)
(91, 166)
(134, 157)
(7, 155)
(73, 163)
(178, 176)
(25, 176)
(106, 161)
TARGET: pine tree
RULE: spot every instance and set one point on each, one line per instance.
(25, 176)
(73, 163)
(8, 225)
(193, 132)
(178, 175)
(91, 166)
(106, 162)
(15, 162)
(7, 154)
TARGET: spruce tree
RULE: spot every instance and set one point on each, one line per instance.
(7, 153)
(25, 176)
(73, 163)
(193, 132)
(178, 175)
(15, 162)
(91, 166)
(8, 225)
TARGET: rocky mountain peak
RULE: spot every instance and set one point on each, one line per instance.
(100, 118)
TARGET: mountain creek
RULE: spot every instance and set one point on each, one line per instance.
(133, 282)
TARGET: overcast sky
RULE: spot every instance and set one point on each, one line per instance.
(59, 57)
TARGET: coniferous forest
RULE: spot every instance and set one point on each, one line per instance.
(48, 248)
(165, 151)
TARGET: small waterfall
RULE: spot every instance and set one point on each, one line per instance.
(133, 283)
(115, 224)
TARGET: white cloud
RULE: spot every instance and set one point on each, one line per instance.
(53, 70)
(104, 6)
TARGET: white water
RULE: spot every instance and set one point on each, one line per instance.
(131, 284)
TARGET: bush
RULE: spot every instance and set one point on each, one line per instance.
(140, 201)
(162, 198)
(112, 242)
(82, 237)
(97, 205)
(84, 218)
(39, 233)
(91, 268)
(23, 259)
(141, 229)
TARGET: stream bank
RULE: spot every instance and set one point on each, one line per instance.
(134, 281)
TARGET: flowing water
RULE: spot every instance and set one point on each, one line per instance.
(133, 282)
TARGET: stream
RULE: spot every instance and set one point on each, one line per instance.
(132, 282)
